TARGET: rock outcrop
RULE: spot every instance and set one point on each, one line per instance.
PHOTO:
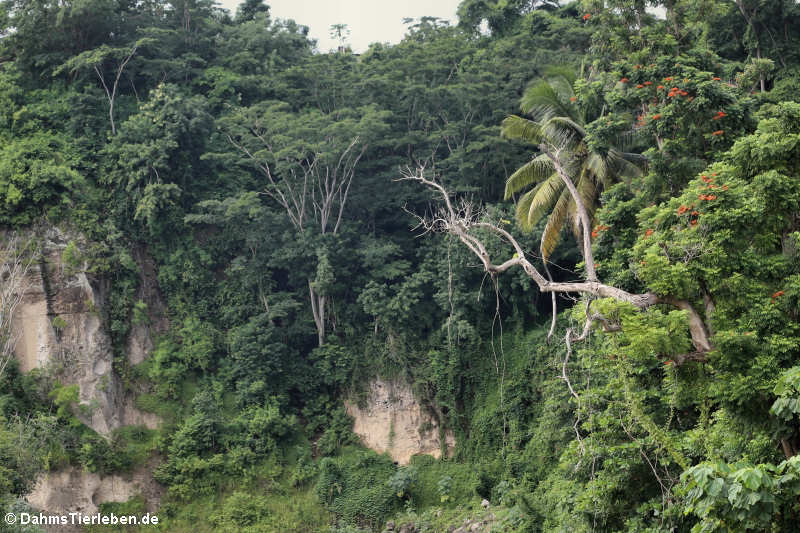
(393, 421)
(76, 490)
(59, 328)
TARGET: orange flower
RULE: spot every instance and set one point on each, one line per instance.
(777, 295)
(624, 80)
(693, 222)
(648, 83)
(660, 87)
(657, 116)
(718, 132)
(715, 78)
(594, 234)
(694, 213)
(682, 209)
(668, 362)
(711, 197)
(639, 86)
(648, 233)
(668, 79)
(724, 187)
(587, 16)
(572, 98)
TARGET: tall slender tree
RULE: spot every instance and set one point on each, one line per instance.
(558, 121)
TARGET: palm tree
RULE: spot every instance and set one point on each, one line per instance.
(559, 123)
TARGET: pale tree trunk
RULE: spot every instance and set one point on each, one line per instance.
(111, 94)
(16, 261)
(318, 302)
(312, 193)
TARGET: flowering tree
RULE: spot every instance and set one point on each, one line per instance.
(463, 221)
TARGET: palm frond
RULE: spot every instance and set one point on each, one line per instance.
(534, 171)
(543, 100)
(555, 223)
(588, 191)
(626, 165)
(562, 86)
(637, 159)
(536, 202)
(598, 167)
(561, 71)
(570, 124)
(563, 132)
(516, 127)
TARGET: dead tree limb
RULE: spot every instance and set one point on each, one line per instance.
(461, 221)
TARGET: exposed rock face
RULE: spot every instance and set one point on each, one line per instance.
(60, 328)
(75, 490)
(393, 421)
(140, 340)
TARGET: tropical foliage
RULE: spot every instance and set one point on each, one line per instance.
(252, 182)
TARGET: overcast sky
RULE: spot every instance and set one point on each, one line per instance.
(369, 21)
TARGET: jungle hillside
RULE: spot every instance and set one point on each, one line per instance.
(563, 236)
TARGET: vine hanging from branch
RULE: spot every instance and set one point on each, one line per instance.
(462, 220)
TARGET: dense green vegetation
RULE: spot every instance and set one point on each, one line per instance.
(261, 176)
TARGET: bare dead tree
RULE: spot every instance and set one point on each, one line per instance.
(111, 94)
(16, 261)
(312, 189)
(470, 227)
(97, 59)
(462, 222)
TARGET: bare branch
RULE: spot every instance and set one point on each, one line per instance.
(462, 221)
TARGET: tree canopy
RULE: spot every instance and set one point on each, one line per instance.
(311, 221)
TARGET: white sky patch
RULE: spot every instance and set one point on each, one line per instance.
(369, 21)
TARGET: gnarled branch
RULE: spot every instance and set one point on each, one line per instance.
(462, 220)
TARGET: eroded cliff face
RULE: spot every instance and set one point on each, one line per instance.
(59, 327)
(76, 490)
(393, 421)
